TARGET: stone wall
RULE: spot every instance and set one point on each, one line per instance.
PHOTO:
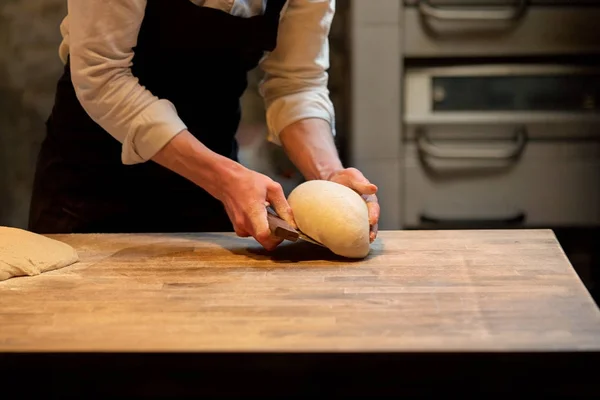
(29, 68)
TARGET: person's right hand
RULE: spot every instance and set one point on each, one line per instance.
(246, 195)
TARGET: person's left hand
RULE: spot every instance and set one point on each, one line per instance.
(354, 179)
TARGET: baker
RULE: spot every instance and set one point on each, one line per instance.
(141, 135)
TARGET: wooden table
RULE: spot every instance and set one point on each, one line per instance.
(425, 308)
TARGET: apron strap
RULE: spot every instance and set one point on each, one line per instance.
(271, 23)
(274, 8)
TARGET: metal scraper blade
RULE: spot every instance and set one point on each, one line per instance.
(285, 231)
(307, 238)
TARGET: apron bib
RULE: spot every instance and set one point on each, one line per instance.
(197, 58)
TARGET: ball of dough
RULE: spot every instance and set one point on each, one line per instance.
(27, 253)
(334, 215)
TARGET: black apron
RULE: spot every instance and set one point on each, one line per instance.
(197, 58)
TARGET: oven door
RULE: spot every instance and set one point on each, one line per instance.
(499, 28)
(501, 146)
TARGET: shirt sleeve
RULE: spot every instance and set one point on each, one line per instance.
(294, 86)
(102, 35)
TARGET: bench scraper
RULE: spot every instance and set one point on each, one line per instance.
(283, 230)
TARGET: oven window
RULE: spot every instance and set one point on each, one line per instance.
(516, 93)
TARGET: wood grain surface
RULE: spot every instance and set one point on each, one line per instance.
(417, 291)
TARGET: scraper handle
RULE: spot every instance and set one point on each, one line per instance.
(281, 229)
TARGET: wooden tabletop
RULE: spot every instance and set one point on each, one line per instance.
(417, 291)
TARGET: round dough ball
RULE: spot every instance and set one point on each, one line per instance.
(26, 253)
(334, 215)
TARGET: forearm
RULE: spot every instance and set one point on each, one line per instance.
(300, 113)
(310, 146)
(187, 156)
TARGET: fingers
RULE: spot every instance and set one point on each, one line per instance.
(277, 200)
(238, 222)
(259, 228)
(246, 205)
(355, 180)
(373, 233)
(373, 207)
(271, 243)
(364, 188)
(374, 212)
(255, 224)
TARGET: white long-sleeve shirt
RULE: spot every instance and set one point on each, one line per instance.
(99, 35)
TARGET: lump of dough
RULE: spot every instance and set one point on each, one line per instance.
(25, 253)
(334, 215)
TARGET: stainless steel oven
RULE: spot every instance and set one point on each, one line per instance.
(478, 112)
(501, 145)
(501, 123)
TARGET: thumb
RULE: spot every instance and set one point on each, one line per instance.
(356, 181)
(277, 199)
(363, 186)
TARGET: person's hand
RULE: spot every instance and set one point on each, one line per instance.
(355, 180)
(246, 195)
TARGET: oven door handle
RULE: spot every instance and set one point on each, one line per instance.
(508, 14)
(512, 220)
(428, 148)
